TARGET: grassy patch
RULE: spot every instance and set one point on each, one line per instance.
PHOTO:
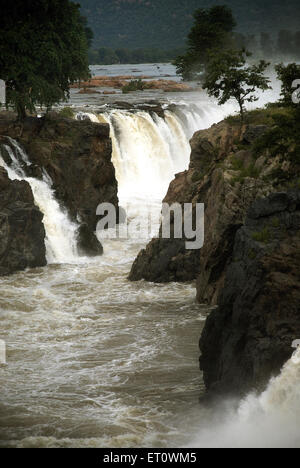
(263, 116)
(250, 171)
(237, 164)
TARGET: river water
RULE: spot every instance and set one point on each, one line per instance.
(96, 361)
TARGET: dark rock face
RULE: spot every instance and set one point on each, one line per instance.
(77, 157)
(208, 181)
(88, 244)
(165, 260)
(249, 337)
(22, 234)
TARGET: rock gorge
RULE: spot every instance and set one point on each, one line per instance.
(249, 266)
(77, 158)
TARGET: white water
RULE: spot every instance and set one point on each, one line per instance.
(60, 231)
(269, 420)
(96, 361)
(149, 150)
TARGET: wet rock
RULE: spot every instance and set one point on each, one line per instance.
(76, 156)
(22, 234)
(249, 337)
(88, 243)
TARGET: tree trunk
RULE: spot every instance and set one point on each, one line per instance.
(20, 108)
(242, 112)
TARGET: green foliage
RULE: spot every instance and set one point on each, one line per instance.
(43, 49)
(228, 77)
(259, 116)
(237, 164)
(134, 85)
(287, 75)
(212, 29)
(67, 112)
(87, 30)
(157, 23)
(109, 56)
(251, 171)
(262, 236)
(283, 137)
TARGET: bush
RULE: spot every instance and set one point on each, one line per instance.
(283, 137)
(250, 171)
(134, 85)
(67, 112)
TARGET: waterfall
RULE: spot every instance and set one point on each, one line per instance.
(61, 244)
(270, 419)
(148, 150)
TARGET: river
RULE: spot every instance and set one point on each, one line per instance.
(96, 361)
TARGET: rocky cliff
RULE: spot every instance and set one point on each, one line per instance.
(77, 157)
(249, 337)
(249, 264)
(22, 231)
(225, 177)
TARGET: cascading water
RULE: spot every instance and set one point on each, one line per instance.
(61, 245)
(268, 420)
(96, 361)
(148, 150)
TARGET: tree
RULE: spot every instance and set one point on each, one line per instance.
(228, 77)
(287, 75)
(43, 49)
(212, 30)
(87, 30)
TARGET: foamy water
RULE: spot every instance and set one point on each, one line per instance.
(96, 361)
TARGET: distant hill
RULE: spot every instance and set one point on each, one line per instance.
(164, 24)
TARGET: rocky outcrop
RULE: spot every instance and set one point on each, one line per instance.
(77, 157)
(249, 264)
(225, 177)
(118, 82)
(22, 233)
(249, 337)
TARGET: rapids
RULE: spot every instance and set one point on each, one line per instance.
(96, 361)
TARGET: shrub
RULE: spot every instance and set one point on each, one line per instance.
(134, 85)
(67, 112)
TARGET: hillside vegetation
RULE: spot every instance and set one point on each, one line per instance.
(165, 25)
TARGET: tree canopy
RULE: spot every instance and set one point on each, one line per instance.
(166, 24)
(43, 49)
(211, 30)
(288, 75)
(228, 77)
